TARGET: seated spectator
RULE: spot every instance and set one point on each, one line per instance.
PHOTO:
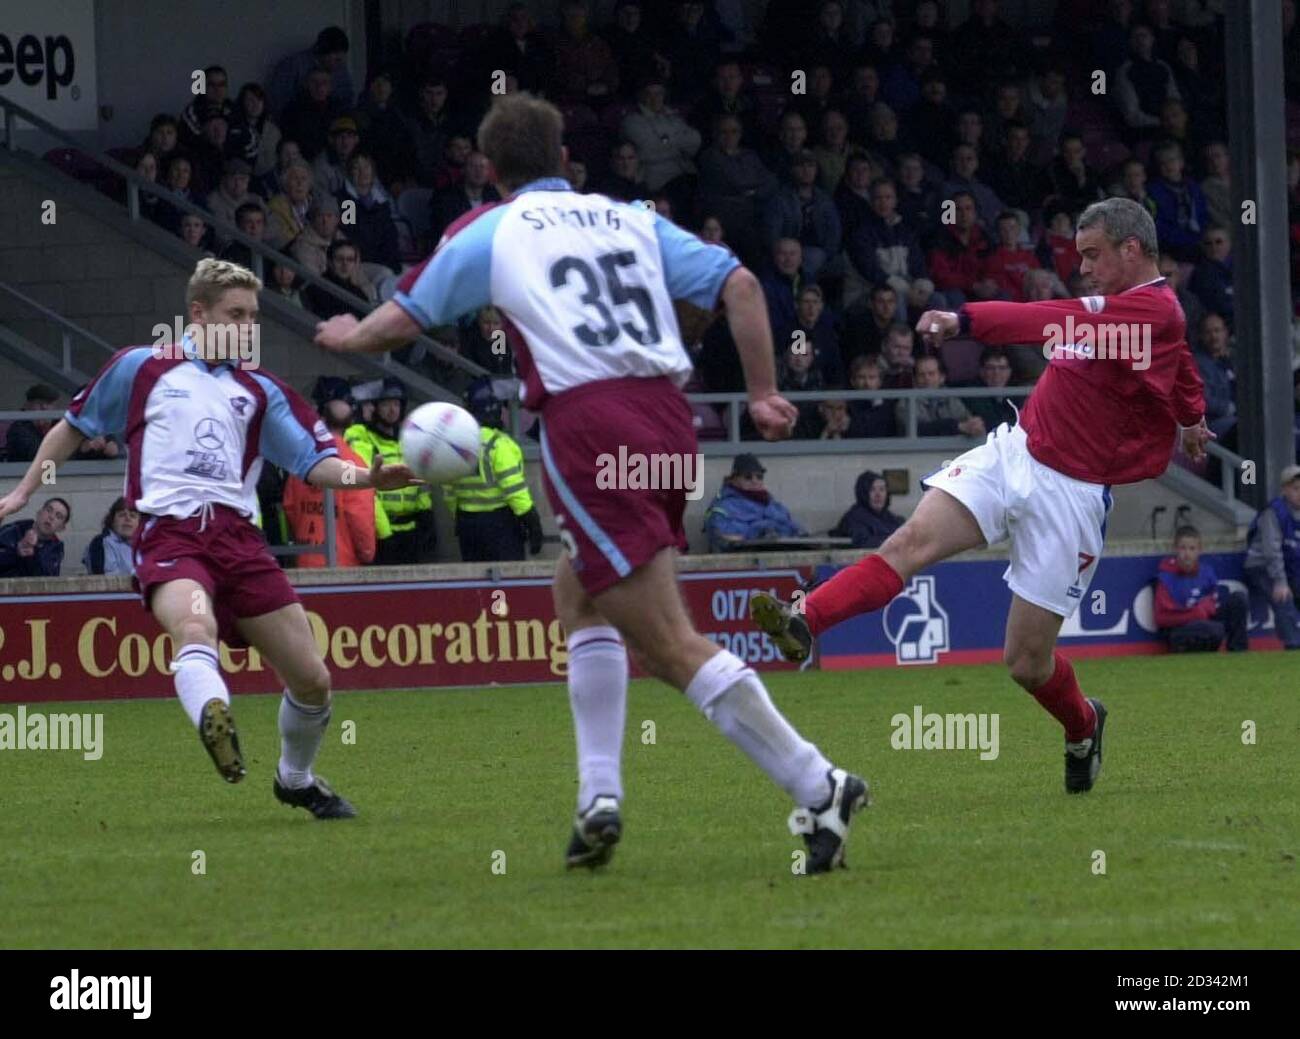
(711, 230)
(938, 416)
(584, 69)
(797, 372)
(1133, 185)
(727, 96)
(110, 552)
(310, 115)
(31, 548)
(962, 178)
(899, 358)
(195, 232)
(865, 327)
(815, 328)
(1195, 614)
(1214, 362)
(1181, 212)
(284, 284)
(209, 153)
(485, 342)
(1201, 95)
(517, 48)
(1142, 84)
(454, 156)
(1211, 281)
(930, 122)
(987, 47)
(869, 522)
(344, 270)
(215, 98)
(918, 199)
(957, 262)
(97, 449)
(623, 181)
(830, 44)
(818, 98)
(729, 171)
(804, 211)
(832, 150)
(231, 194)
(289, 209)
(1013, 176)
(1272, 568)
(1216, 185)
(330, 53)
(1048, 105)
(1174, 126)
(147, 167)
(330, 169)
(900, 85)
(430, 126)
(272, 183)
(689, 47)
(474, 190)
(374, 229)
(634, 47)
(744, 510)
(791, 142)
(782, 284)
(25, 436)
(250, 218)
(575, 172)
(834, 416)
(861, 96)
(853, 195)
(883, 134)
(1011, 260)
(257, 137)
(995, 373)
(1057, 251)
(384, 129)
(180, 174)
(666, 143)
(322, 228)
(163, 141)
(884, 248)
(872, 417)
(1074, 184)
(1009, 109)
(1193, 310)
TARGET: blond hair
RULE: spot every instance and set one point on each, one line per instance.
(213, 277)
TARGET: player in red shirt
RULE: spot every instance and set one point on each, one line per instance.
(1120, 383)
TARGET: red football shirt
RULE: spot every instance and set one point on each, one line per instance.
(1107, 407)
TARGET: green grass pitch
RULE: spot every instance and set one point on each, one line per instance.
(1200, 831)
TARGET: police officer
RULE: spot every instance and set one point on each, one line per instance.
(412, 535)
(494, 512)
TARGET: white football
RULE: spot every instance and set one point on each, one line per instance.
(440, 442)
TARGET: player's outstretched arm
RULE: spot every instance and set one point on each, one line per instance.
(339, 475)
(384, 328)
(773, 415)
(59, 445)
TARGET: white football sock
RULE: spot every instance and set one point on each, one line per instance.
(598, 697)
(302, 727)
(733, 697)
(197, 671)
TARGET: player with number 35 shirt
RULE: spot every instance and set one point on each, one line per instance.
(586, 286)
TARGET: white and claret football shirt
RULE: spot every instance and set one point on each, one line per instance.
(196, 433)
(586, 285)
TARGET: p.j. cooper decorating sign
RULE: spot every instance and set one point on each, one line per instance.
(372, 636)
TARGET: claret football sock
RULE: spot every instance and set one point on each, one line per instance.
(598, 697)
(302, 727)
(732, 696)
(867, 585)
(197, 676)
(1061, 697)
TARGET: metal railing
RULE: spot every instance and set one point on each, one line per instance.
(261, 252)
(68, 329)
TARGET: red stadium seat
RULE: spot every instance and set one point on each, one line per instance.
(82, 167)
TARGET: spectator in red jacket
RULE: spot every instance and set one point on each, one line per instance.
(1057, 251)
(585, 69)
(1011, 260)
(956, 264)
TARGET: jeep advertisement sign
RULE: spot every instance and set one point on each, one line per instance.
(47, 61)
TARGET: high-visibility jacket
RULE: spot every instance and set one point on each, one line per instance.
(400, 505)
(499, 482)
(354, 517)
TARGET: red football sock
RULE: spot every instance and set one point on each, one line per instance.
(1061, 696)
(865, 586)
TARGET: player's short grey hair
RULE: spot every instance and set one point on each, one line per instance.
(1122, 218)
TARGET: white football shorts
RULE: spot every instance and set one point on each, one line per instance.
(1055, 523)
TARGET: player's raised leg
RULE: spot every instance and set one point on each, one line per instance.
(647, 608)
(285, 640)
(598, 670)
(940, 527)
(1036, 665)
(184, 609)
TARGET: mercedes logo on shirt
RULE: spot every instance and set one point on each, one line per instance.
(208, 434)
